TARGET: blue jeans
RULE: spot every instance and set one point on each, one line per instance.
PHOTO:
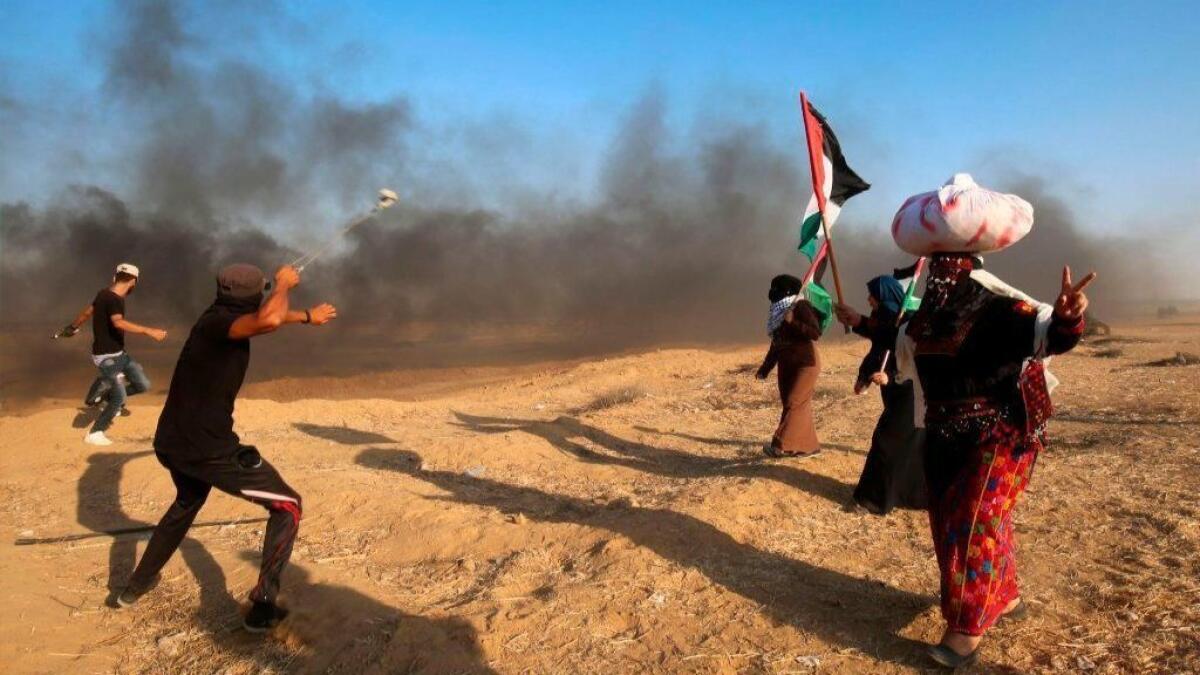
(135, 382)
(97, 392)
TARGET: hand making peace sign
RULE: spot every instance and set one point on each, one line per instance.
(1071, 302)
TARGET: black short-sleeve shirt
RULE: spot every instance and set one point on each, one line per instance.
(197, 419)
(107, 338)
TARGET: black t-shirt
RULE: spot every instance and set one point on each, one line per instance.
(107, 338)
(197, 419)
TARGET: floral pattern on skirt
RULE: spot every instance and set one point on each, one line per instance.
(972, 528)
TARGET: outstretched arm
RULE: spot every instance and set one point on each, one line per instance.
(317, 316)
(124, 324)
(274, 311)
(83, 316)
(849, 317)
(72, 328)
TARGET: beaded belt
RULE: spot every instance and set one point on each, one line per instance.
(963, 419)
(948, 411)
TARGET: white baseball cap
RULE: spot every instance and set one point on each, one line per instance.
(128, 268)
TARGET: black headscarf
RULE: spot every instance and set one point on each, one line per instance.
(783, 286)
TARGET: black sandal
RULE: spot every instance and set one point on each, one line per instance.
(1016, 613)
(772, 451)
(949, 658)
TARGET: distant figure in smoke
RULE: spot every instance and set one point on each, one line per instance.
(195, 440)
(120, 376)
(976, 352)
(793, 326)
(894, 474)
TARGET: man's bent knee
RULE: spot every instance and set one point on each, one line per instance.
(291, 505)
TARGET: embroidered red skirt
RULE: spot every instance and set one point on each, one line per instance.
(970, 513)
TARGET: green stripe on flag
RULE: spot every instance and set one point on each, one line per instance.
(911, 302)
(809, 239)
(819, 298)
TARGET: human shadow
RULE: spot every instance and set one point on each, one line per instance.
(563, 432)
(342, 629)
(333, 622)
(85, 416)
(343, 435)
(736, 442)
(99, 509)
(707, 440)
(843, 610)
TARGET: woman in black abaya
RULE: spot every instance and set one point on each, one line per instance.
(893, 476)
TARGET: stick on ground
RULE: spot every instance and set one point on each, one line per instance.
(29, 541)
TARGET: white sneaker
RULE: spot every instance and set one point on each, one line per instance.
(97, 438)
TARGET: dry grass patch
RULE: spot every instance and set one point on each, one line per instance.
(612, 398)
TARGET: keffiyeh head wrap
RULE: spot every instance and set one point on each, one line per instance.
(779, 309)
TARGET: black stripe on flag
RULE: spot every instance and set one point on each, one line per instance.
(845, 183)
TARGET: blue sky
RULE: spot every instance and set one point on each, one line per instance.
(1102, 96)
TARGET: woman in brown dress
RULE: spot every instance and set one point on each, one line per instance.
(793, 326)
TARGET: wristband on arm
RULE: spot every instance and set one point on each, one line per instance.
(307, 316)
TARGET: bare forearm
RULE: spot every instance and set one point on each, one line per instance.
(297, 316)
(318, 315)
(83, 316)
(274, 312)
(131, 327)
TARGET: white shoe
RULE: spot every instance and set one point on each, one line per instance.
(97, 438)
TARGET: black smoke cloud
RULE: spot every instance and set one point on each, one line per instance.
(678, 247)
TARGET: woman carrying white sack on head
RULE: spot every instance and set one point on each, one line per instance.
(975, 352)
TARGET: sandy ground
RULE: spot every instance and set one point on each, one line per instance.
(605, 516)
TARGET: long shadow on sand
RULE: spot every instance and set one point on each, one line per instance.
(339, 626)
(85, 416)
(564, 432)
(99, 509)
(841, 609)
(343, 630)
(343, 435)
(735, 442)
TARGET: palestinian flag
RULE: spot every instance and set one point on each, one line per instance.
(833, 183)
(911, 302)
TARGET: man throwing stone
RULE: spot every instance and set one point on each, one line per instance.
(195, 440)
(120, 376)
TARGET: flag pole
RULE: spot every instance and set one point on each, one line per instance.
(819, 192)
(812, 266)
(912, 287)
(837, 279)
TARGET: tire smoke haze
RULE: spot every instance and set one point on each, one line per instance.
(678, 247)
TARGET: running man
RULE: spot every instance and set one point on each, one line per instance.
(195, 440)
(120, 376)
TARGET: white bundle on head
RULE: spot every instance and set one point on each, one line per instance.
(961, 217)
